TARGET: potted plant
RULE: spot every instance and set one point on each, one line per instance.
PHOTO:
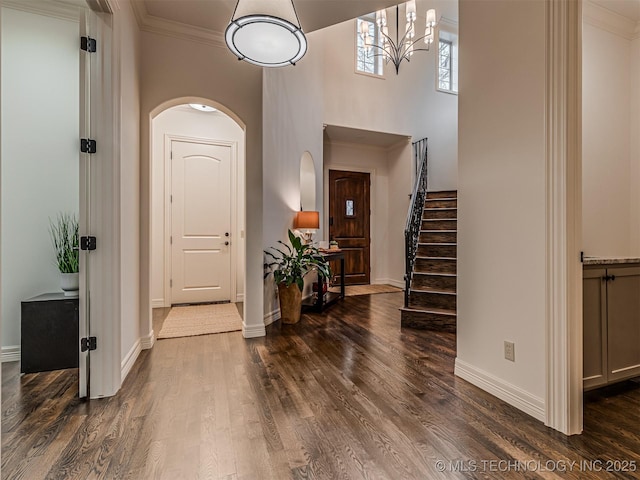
(64, 236)
(289, 265)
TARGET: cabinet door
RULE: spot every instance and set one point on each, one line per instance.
(623, 316)
(594, 335)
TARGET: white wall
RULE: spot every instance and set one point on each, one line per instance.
(406, 104)
(187, 122)
(128, 37)
(372, 160)
(501, 206)
(174, 69)
(40, 65)
(610, 214)
(390, 170)
(293, 117)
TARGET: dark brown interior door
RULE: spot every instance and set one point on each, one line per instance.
(349, 211)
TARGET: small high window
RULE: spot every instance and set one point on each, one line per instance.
(447, 59)
(367, 60)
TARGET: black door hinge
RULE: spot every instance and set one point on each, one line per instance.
(581, 257)
(90, 343)
(88, 243)
(87, 145)
(88, 44)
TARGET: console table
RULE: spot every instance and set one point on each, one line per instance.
(50, 336)
(329, 298)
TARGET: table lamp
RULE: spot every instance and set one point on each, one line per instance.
(308, 220)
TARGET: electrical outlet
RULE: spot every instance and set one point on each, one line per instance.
(510, 351)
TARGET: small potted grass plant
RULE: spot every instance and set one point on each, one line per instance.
(64, 236)
(289, 265)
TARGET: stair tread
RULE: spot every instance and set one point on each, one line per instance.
(438, 231)
(432, 243)
(439, 219)
(437, 258)
(440, 208)
(432, 290)
(441, 311)
(438, 274)
(436, 199)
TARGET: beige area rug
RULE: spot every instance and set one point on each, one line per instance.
(194, 320)
(353, 290)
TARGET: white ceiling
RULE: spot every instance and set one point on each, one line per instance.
(214, 15)
(334, 133)
(626, 8)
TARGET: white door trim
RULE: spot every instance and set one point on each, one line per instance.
(235, 236)
(564, 217)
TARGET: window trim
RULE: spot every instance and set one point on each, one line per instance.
(367, 18)
(451, 38)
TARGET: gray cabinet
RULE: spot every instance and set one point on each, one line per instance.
(611, 337)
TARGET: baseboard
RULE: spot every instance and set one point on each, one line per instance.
(497, 387)
(129, 360)
(271, 317)
(11, 353)
(239, 297)
(253, 331)
(389, 281)
(147, 341)
(157, 303)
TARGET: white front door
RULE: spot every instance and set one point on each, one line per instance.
(200, 222)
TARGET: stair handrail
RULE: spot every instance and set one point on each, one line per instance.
(414, 216)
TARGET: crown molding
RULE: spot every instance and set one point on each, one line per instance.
(448, 24)
(612, 22)
(169, 28)
(59, 10)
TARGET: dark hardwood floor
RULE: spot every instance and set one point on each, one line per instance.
(342, 395)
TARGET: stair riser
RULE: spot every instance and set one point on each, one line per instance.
(439, 225)
(437, 251)
(432, 300)
(424, 265)
(441, 203)
(443, 194)
(437, 282)
(438, 237)
(434, 213)
(428, 321)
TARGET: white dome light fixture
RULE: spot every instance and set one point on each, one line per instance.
(202, 108)
(266, 33)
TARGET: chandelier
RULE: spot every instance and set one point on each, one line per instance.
(395, 51)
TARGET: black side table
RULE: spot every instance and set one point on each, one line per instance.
(329, 298)
(50, 336)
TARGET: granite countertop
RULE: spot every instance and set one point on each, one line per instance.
(609, 260)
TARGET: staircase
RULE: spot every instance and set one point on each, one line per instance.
(432, 294)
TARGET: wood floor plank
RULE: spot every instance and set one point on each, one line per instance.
(346, 394)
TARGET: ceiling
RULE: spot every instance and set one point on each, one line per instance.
(334, 133)
(626, 8)
(214, 15)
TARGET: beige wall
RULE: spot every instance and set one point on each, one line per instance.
(406, 104)
(128, 37)
(187, 122)
(610, 179)
(501, 188)
(634, 177)
(178, 69)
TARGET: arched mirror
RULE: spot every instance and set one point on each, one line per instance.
(307, 182)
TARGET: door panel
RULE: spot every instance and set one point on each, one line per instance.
(349, 221)
(200, 222)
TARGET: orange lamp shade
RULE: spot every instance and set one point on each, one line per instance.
(307, 219)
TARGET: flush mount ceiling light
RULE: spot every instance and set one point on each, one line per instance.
(266, 33)
(202, 108)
